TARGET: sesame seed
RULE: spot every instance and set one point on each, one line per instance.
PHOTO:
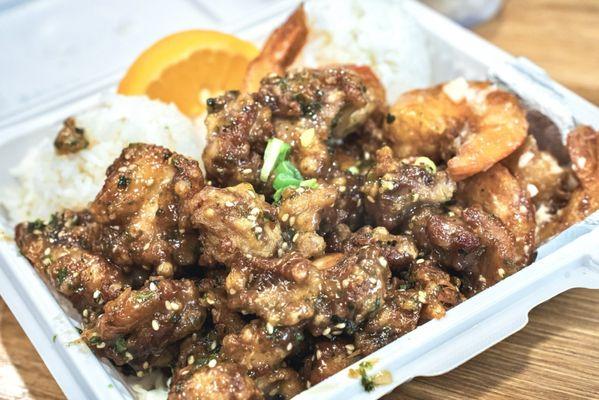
(337, 333)
(210, 300)
(175, 306)
(190, 360)
(285, 217)
(340, 325)
(420, 261)
(258, 229)
(167, 305)
(128, 356)
(46, 261)
(308, 384)
(370, 199)
(213, 345)
(146, 365)
(295, 237)
(155, 325)
(382, 261)
(232, 291)
(318, 354)
(342, 189)
(252, 194)
(97, 294)
(229, 203)
(350, 348)
(501, 272)
(291, 221)
(85, 313)
(147, 246)
(153, 286)
(289, 346)
(47, 251)
(326, 331)
(247, 171)
(255, 211)
(269, 328)
(212, 363)
(139, 374)
(101, 345)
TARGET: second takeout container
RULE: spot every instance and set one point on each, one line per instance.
(567, 261)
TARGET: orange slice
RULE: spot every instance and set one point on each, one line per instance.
(188, 67)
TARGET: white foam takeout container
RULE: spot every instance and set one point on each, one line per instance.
(567, 261)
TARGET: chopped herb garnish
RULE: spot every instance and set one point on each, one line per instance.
(426, 163)
(366, 381)
(120, 345)
(61, 275)
(285, 173)
(276, 151)
(144, 295)
(95, 340)
(54, 338)
(38, 224)
(354, 170)
(123, 182)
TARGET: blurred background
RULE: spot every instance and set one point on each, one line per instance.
(57, 46)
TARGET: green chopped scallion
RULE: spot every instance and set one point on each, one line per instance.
(276, 151)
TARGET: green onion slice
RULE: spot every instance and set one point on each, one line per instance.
(427, 164)
(276, 151)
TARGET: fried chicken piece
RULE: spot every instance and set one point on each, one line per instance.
(238, 128)
(280, 291)
(473, 243)
(281, 384)
(199, 348)
(235, 222)
(306, 108)
(139, 325)
(260, 347)
(224, 381)
(214, 298)
(312, 107)
(70, 138)
(436, 290)
(329, 357)
(60, 252)
(399, 250)
(353, 287)
(393, 187)
(500, 194)
(301, 212)
(349, 207)
(145, 208)
(398, 315)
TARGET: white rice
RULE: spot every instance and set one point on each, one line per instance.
(378, 33)
(47, 182)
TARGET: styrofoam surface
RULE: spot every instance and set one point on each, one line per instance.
(569, 260)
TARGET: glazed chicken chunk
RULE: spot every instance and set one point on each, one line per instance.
(353, 287)
(61, 252)
(280, 291)
(301, 213)
(138, 326)
(393, 187)
(235, 222)
(144, 206)
(223, 381)
(307, 109)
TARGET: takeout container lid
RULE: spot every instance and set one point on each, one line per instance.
(567, 261)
